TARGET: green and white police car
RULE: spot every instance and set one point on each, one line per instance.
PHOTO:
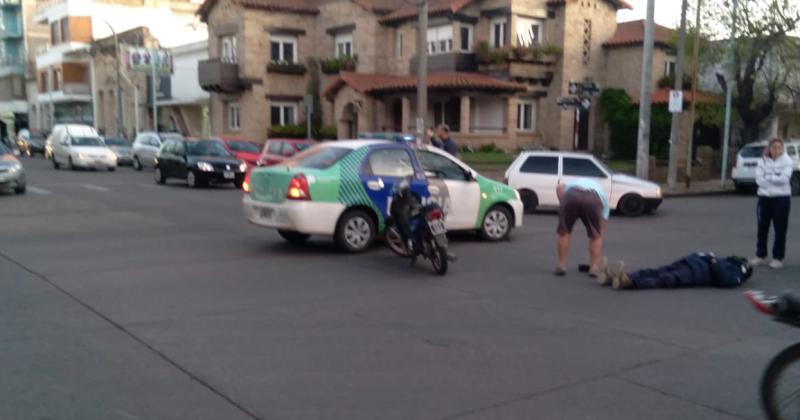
(344, 189)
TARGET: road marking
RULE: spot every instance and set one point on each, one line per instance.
(95, 187)
(40, 191)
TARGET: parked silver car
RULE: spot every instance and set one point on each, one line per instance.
(12, 175)
(146, 147)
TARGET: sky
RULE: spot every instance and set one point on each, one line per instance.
(667, 12)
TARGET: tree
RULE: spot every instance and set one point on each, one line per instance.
(765, 59)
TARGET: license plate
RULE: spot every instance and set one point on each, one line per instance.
(437, 227)
(266, 213)
(228, 174)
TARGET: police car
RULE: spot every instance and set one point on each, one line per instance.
(344, 189)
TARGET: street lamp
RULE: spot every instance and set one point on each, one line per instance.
(120, 123)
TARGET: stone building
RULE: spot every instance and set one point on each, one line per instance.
(496, 67)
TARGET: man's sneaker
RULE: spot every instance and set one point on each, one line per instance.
(776, 264)
(621, 279)
(757, 261)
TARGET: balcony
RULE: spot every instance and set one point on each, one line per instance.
(454, 61)
(215, 75)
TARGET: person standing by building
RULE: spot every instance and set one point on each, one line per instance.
(773, 176)
(586, 200)
(449, 146)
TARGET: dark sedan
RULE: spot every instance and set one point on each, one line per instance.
(122, 149)
(199, 163)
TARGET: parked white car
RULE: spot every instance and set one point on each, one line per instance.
(744, 173)
(81, 149)
(537, 174)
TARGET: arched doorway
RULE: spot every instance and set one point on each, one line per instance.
(348, 125)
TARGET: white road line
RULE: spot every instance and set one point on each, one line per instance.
(95, 187)
(36, 190)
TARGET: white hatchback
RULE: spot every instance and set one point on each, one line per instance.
(537, 174)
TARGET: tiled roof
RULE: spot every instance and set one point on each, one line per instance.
(619, 4)
(381, 5)
(661, 97)
(632, 33)
(375, 83)
(292, 6)
(435, 7)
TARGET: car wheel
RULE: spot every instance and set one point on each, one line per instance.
(795, 183)
(355, 231)
(497, 223)
(55, 163)
(191, 180)
(136, 164)
(20, 189)
(159, 177)
(529, 200)
(632, 205)
(292, 236)
(112, 168)
(71, 165)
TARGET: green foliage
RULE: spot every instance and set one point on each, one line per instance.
(335, 65)
(669, 82)
(623, 121)
(489, 148)
(326, 133)
(710, 114)
(292, 131)
(286, 67)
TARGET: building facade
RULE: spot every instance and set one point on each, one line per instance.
(496, 67)
(76, 73)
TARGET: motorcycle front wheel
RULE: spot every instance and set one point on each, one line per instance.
(780, 386)
(438, 257)
(395, 241)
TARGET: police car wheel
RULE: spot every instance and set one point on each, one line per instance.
(496, 224)
(355, 231)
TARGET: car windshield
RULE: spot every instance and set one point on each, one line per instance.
(116, 142)
(318, 157)
(243, 146)
(752, 151)
(206, 148)
(87, 141)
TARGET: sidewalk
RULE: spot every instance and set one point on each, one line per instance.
(709, 187)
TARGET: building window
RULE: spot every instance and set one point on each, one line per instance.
(669, 66)
(44, 81)
(529, 31)
(587, 41)
(283, 113)
(233, 116)
(228, 51)
(466, 38)
(344, 45)
(440, 39)
(56, 80)
(283, 49)
(526, 116)
(65, 29)
(54, 33)
(398, 44)
(499, 33)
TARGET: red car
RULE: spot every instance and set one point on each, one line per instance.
(277, 150)
(242, 149)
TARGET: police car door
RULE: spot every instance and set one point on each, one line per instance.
(453, 187)
(383, 168)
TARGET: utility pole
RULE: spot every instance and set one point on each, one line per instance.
(422, 70)
(153, 53)
(729, 95)
(117, 53)
(696, 56)
(672, 170)
(645, 98)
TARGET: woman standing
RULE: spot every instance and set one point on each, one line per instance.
(773, 177)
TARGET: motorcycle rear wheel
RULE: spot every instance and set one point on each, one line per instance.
(780, 385)
(395, 241)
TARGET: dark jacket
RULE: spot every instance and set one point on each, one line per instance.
(449, 146)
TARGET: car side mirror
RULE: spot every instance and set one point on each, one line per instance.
(431, 174)
(470, 176)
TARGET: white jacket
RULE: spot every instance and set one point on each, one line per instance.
(773, 176)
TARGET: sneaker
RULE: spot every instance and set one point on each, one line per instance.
(776, 264)
(757, 261)
(559, 271)
(620, 279)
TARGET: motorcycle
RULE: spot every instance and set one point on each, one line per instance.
(780, 388)
(429, 237)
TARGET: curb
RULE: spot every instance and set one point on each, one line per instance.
(710, 193)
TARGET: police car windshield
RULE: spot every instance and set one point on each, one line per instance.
(752, 151)
(318, 157)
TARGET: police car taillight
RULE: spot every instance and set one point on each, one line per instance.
(298, 188)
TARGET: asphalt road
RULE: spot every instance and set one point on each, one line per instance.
(121, 299)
